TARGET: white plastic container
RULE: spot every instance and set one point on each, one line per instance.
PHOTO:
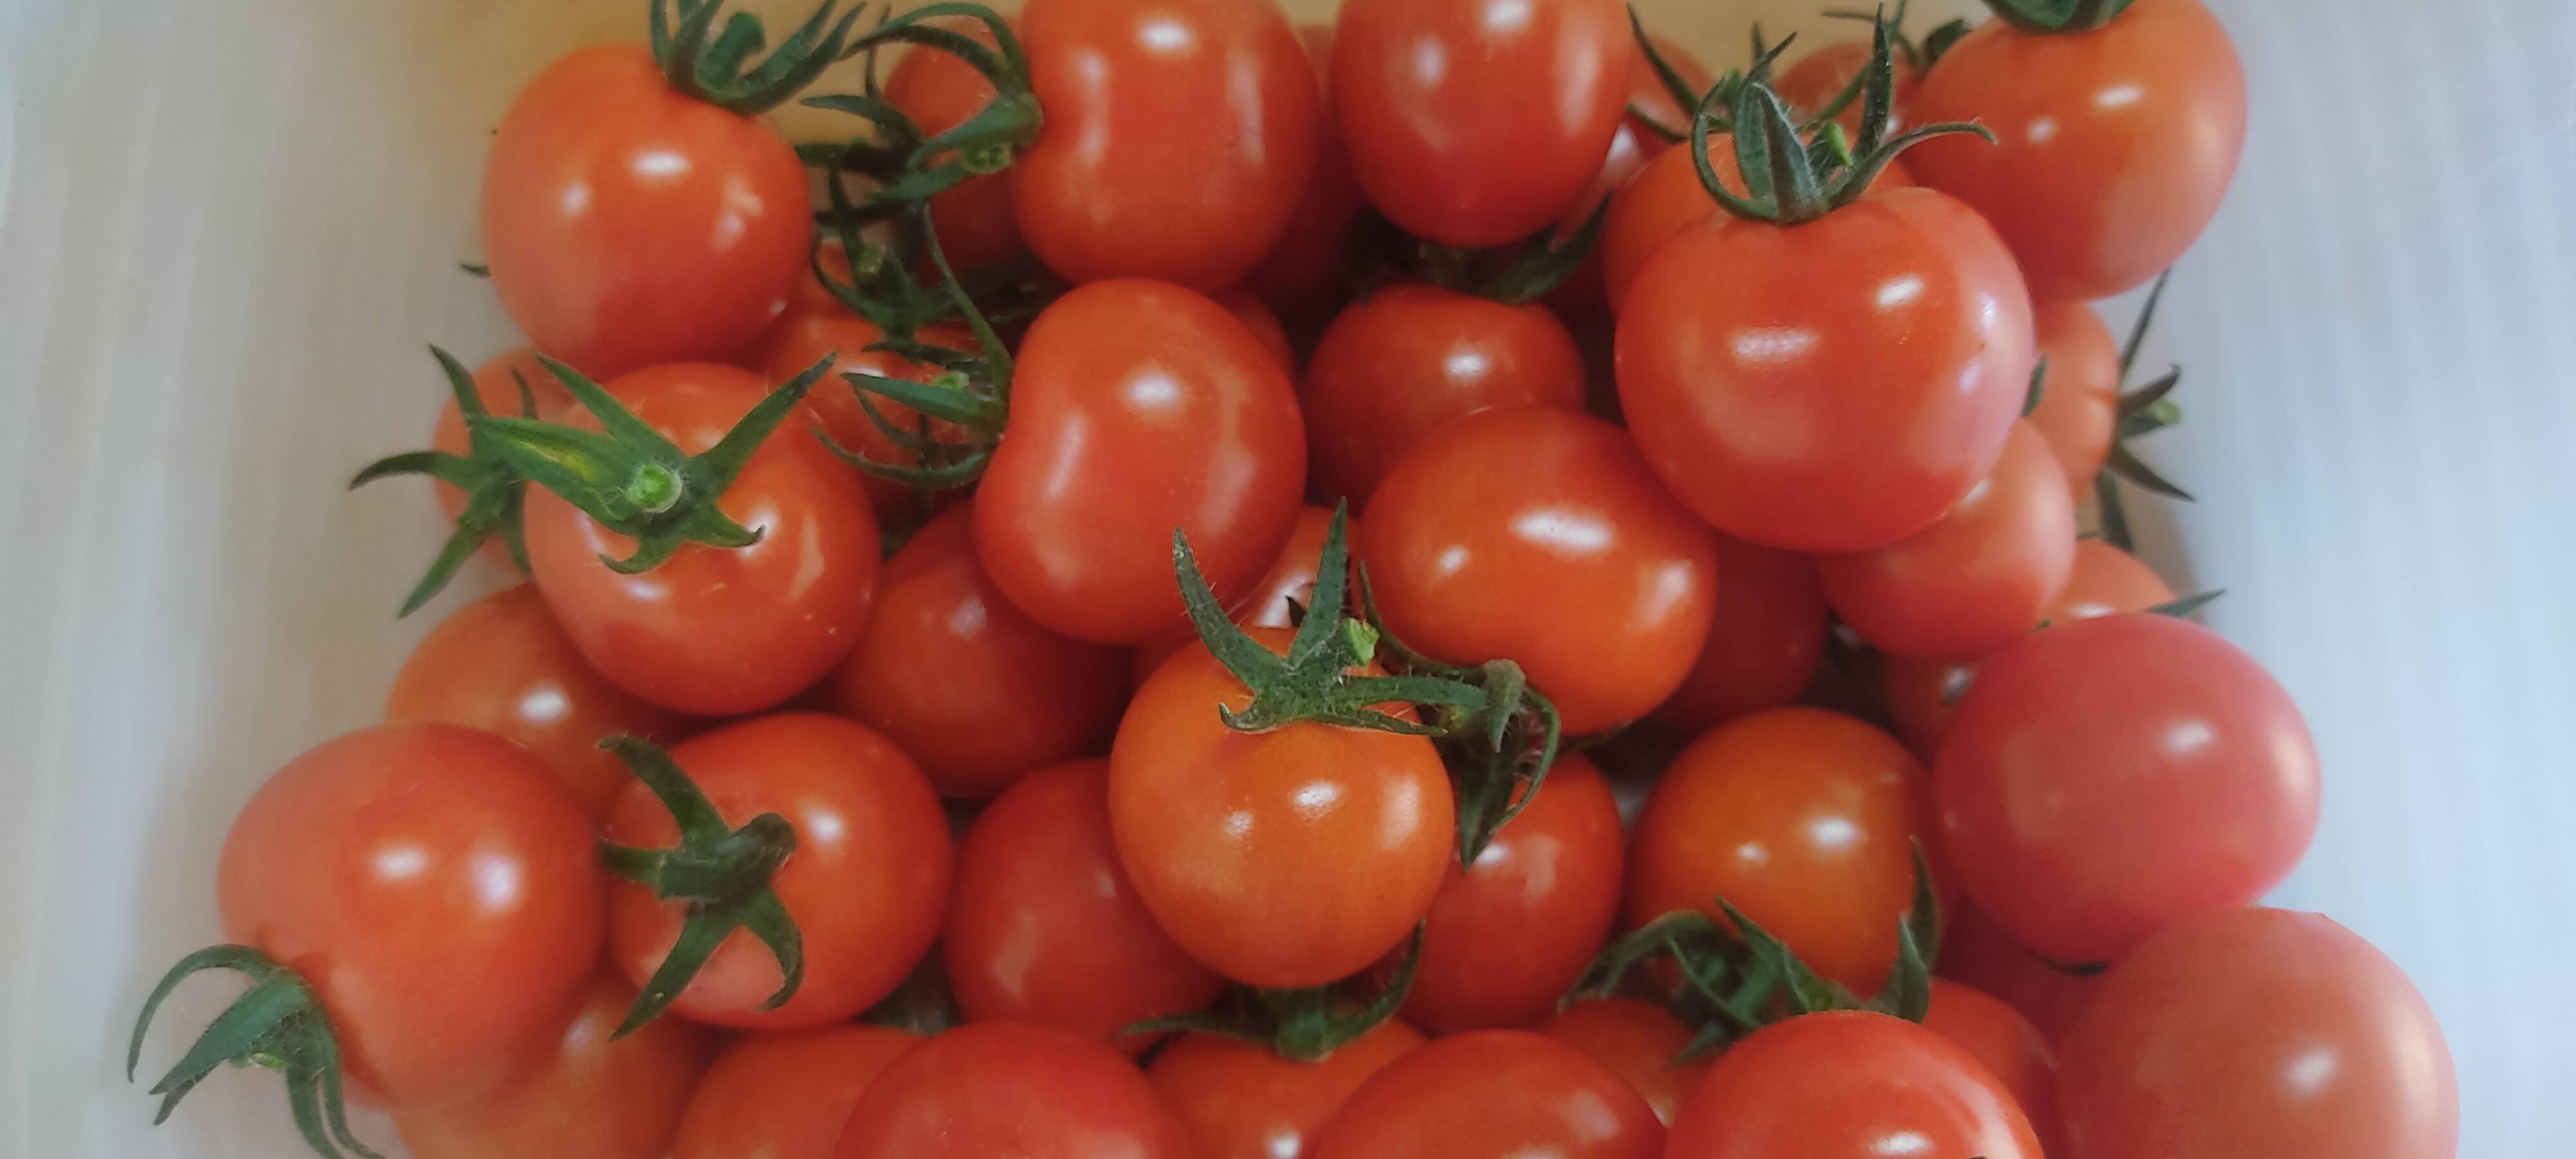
(227, 228)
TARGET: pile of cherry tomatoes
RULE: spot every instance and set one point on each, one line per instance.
(1459, 585)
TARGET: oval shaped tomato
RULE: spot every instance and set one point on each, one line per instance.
(1241, 1100)
(1137, 408)
(1849, 1084)
(2105, 778)
(2115, 146)
(1283, 859)
(1764, 641)
(717, 631)
(599, 1097)
(866, 885)
(800, 341)
(1547, 888)
(2079, 405)
(1832, 386)
(1179, 137)
(1007, 1088)
(1302, 277)
(1493, 1094)
(1639, 1042)
(1479, 122)
(786, 1096)
(628, 224)
(2259, 1032)
(497, 383)
(1538, 536)
(1821, 76)
(1973, 951)
(2012, 1050)
(1802, 819)
(975, 222)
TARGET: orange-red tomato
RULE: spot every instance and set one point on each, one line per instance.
(1241, 1100)
(1764, 642)
(996, 1089)
(1634, 145)
(598, 1098)
(2080, 403)
(1848, 1084)
(1822, 75)
(2108, 582)
(497, 383)
(1493, 1094)
(2012, 1049)
(1973, 951)
(800, 341)
(785, 1096)
(1666, 198)
(1638, 1041)
(1301, 277)
(975, 222)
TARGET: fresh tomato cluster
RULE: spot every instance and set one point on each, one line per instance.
(1109, 614)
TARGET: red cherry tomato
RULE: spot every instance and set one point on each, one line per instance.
(628, 224)
(1849, 1085)
(1637, 1041)
(1138, 407)
(2105, 778)
(1010, 1089)
(1632, 146)
(1302, 277)
(1044, 926)
(497, 383)
(1821, 76)
(975, 222)
(1499, 507)
(1922, 696)
(717, 631)
(2107, 582)
(2011, 1048)
(964, 682)
(1179, 138)
(2116, 146)
(786, 1096)
(599, 1097)
(1243, 1101)
(1763, 644)
(1804, 820)
(799, 342)
(2080, 403)
(1665, 198)
(1479, 122)
(866, 885)
(1973, 951)
(1547, 888)
(1493, 1094)
(1832, 386)
(1257, 317)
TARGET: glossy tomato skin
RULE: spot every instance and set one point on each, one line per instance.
(2114, 146)
(801, 340)
(2080, 403)
(1977, 579)
(1764, 642)
(1179, 137)
(1241, 1100)
(497, 384)
(501, 664)
(628, 225)
(1666, 198)
(1632, 147)
(1538, 535)
(1803, 820)
(1637, 1041)
(2259, 1032)
(2011, 1049)
(1974, 952)
(1822, 75)
(1008, 1088)
(1506, 128)
(975, 222)
(786, 1096)
(599, 1097)
(1506, 937)
(1849, 1085)
(1302, 276)
(1836, 411)
(1219, 834)
(2106, 778)
(1411, 358)
(1493, 1094)
(717, 631)
(1138, 407)
(1044, 926)
(951, 671)
(359, 856)
(867, 883)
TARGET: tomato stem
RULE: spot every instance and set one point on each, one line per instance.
(2058, 16)
(718, 69)
(279, 1024)
(1305, 1025)
(494, 487)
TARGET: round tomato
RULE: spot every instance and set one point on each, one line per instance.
(1302, 277)
(2259, 1032)
(1821, 76)
(1849, 1085)
(1283, 859)
(1479, 122)
(975, 222)
(1831, 386)
(1763, 643)
(800, 341)
(1493, 1094)
(785, 1096)
(1638, 1041)
(628, 224)
(1179, 137)
(2116, 145)
(2012, 1049)
(1538, 536)
(1802, 819)
(2105, 778)
(1241, 1100)
(497, 384)
(1547, 888)
(2079, 404)
(599, 1097)
(1007, 1088)
(1973, 951)
(866, 885)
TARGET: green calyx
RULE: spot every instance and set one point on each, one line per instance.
(971, 392)
(980, 145)
(1377, 252)
(2142, 411)
(1920, 55)
(716, 66)
(493, 484)
(1303, 1025)
(279, 1024)
(722, 873)
(2045, 16)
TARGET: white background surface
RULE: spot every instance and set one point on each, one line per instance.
(231, 225)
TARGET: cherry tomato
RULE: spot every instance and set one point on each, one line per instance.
(2080, 403)
(2008, 1045)
(975, 222)
(1763, 644)
(1044, 926)
(2116, 145)
(800, 341)
(1493, 1094)
(1411, 358)
(599, 1098)
(1257, 317)
(1831, 386)
(717, 631)
(2259, 1032)
(866, 885)
(2107, 582)
(1822, 75)
(1973, 951)
(1138, 407)
(1637, 1041)
(1921, 697)
(1803, 819)
(1301, 277)
(1283, 859)
(1664, 199)
(786, 1096)
(1978, 579)
(1179, 137)
(365, 865)
(1011, 1089)
(1539, 536)
(628, 224)
(1632, 146)
(497, 383)
(1241, 1100)
(964, 682)
(1479, 122)
(1547, 888)
(502, 665)
(1849, 1085)
(2105, 778)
